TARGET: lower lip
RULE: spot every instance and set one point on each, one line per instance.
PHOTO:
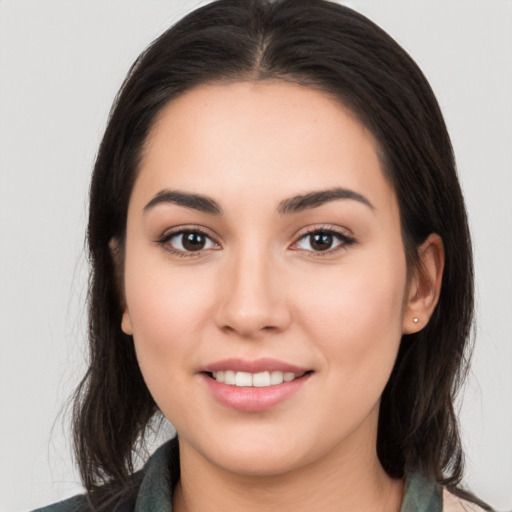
(253, 399)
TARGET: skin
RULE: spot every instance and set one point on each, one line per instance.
(259, 289)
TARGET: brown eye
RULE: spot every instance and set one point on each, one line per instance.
(188, 241)
(193, 241)
(321, 241)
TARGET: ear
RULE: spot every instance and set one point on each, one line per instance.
(117, 254)
(424, 285)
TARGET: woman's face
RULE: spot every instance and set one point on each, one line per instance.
(265, 276)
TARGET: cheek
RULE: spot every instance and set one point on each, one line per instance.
(168, 312)
(355, 313)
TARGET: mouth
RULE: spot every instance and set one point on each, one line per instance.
(254, 386)
(257, 380)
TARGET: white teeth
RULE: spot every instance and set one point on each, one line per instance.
(276, 378)
(243, 379)
(261, 380)
(229, 377)
(288, 376)
(258, 380)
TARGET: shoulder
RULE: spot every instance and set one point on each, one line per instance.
(423, 495)
(74, 504)
(452, 503)
(147, 489)
(112, 499)
(81, 504)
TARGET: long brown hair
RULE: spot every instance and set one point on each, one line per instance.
(334, 49)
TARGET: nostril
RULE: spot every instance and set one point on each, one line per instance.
(251, 317)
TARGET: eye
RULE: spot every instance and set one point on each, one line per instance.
(322, 240)
(187, 241)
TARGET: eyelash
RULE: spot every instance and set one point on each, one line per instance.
(167, 237)
(343, 238)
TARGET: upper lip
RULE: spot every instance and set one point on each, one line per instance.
(253, 366)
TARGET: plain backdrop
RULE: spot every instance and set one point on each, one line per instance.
(61, 63)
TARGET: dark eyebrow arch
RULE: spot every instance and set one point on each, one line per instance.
(315, 199)
(195, 201)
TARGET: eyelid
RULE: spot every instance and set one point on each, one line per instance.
(342, 234)
(163, 240)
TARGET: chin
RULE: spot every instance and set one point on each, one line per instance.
(252, 453)
(259, 463)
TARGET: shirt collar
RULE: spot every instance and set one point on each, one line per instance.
(161, 473)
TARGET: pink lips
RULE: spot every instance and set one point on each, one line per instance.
(253, 399)
(258, 365)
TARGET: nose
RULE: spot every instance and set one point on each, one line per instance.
(253, 299)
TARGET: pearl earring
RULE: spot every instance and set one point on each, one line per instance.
(415, 320)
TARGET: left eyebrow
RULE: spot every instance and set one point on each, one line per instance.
(318, 198)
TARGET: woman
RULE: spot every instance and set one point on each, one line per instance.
(281, 266)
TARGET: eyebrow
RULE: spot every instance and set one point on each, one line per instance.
(288, 206)
(195, 201)
(318, 198)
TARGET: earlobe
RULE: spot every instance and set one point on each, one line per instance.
(126, 323)
(424, 285)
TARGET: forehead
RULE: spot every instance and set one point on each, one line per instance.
(237, 138)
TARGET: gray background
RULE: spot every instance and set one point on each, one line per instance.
(61, 62)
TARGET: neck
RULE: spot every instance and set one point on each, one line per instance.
(341, 480)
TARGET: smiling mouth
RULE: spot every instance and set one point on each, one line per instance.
(254, 385)
(256, 380)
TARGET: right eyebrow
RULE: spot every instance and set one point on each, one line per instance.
(195, 201)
